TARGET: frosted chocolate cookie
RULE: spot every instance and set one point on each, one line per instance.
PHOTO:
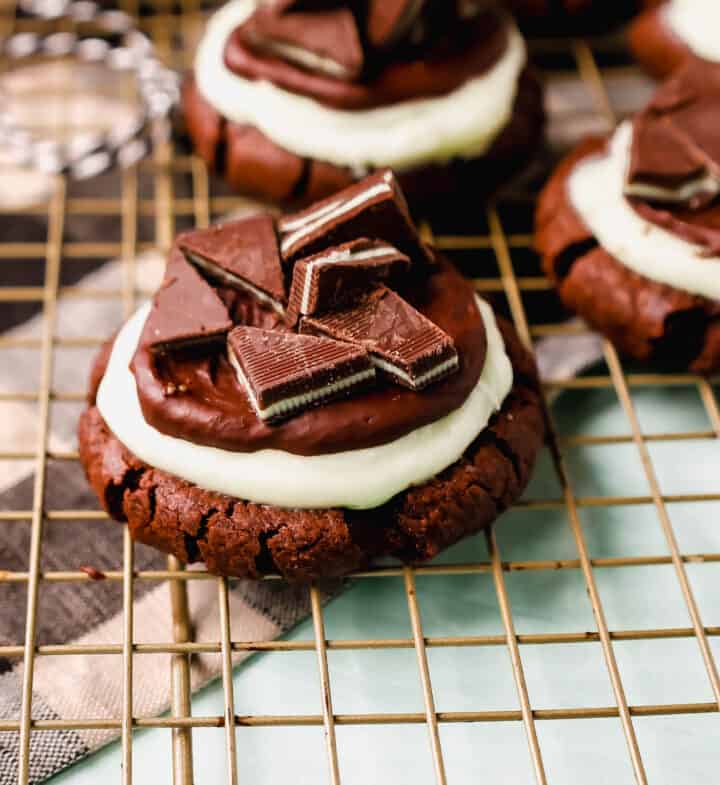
(389, 412)
(629, 227)
(671, 31)
(293, 101)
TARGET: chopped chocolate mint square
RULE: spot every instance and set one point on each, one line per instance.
(342, 275)
(675, 153)
(374, 207)
(285, 373)
(403, 344)
(323, 41)
(243, 254)
(185, 310)
(659, 157)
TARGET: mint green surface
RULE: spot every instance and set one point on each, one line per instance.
(677, 750)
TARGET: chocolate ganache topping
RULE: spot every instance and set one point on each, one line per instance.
(368, 53)
(313, 334)
(673, 179)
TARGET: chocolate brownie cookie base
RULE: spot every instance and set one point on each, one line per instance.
(238, 538)
(255, 165)
(646, 320)
(655, 45)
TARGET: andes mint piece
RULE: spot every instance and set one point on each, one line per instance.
(285, 373)
(243, 254)
(325, 42)
(402, 343)
(389, 21)
(340, 276)
(675, 155)
(659, 158)
(185, 310)
(374, 207)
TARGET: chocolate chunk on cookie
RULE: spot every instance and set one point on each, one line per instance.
(186, 310)
(285, 373)
(326, 42)
(673, 179)
(402, 343)
(661, 165)
(647, 320)
(675, 155)
(243, 254)
(342, 275)
(374, 208)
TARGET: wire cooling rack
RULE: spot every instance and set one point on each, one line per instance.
(148, 208)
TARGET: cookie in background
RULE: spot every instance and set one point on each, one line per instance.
(629, 227)
(670, 32)
(292, 101)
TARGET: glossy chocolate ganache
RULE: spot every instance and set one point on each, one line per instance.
(330, 330)
(368, 53)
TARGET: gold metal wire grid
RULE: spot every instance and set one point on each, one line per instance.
(174, 27)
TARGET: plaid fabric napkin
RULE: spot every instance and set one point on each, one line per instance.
(91, 686)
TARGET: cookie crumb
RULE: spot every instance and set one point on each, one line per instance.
(93, 573)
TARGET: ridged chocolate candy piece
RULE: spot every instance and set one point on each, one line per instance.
(285, 373)
(243, 254)
(185, 310)
(326, 42)
(374, 207)
(402, 343)
(342, 275)
(675, 155)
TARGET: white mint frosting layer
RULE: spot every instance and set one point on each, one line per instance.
(359, 479)
(696, 23)
(596, 191)
(463, 123)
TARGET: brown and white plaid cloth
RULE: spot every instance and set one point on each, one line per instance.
(91, 686)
